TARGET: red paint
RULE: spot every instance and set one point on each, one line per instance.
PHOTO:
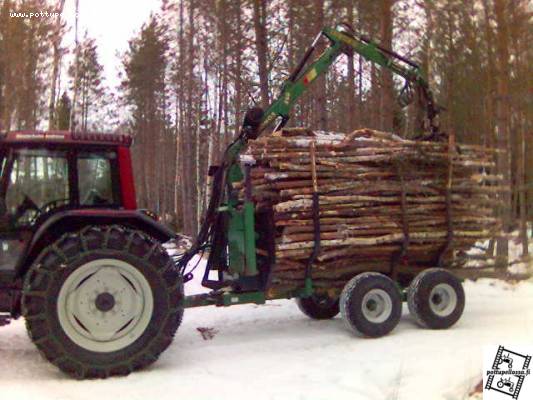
(65, 138)
(127, 184)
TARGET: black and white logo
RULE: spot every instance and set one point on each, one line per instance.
(508, 374)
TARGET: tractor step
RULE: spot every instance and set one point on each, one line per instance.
(5, 319)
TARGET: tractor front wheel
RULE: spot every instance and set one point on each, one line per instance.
(104, 301)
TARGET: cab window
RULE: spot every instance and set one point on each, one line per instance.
(38, 182)
(95, 179)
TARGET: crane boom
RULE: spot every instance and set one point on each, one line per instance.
(343, 40)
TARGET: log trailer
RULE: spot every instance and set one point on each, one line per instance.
(90, 274)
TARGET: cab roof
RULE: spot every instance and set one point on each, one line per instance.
(65, 137)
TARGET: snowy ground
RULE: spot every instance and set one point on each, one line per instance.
(275, 352)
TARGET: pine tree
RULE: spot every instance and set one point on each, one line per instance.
(145, 92)
(58, 33)
(62, 112)
(24, 61)
(87, 83)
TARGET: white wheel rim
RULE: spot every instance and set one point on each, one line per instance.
(376, 306)
(105, 305)
(443, 300)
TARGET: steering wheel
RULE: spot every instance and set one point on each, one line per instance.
(51, 205)
(27, 204)
(47, 208)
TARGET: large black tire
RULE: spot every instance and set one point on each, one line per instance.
(319, 306)
(145, 258)
(436, 299)
(371, 304)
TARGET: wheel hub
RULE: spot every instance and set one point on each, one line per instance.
(105, 305)
(443, 300)
(436, 299)
(105, 302)
(377, 306)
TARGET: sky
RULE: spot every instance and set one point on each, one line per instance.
(112, 23)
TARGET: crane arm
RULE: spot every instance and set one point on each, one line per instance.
(343, 40)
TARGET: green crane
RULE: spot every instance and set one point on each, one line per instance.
(228, 231)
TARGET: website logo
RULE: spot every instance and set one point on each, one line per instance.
(506, 377)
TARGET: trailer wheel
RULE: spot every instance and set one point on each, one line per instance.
(318, 306)
(436, 298)
(104, 301)
(371, 304)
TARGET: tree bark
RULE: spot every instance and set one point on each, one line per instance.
(350, 93)
(502, 124)
(261, 45)
(55, 68)
(387, 94)
(321, 82)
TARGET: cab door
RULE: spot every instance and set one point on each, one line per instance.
(9, 240)
(34, 182)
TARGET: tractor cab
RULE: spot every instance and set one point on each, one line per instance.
(52, 183)
(42, 174)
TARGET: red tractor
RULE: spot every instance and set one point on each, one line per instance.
(87, 270)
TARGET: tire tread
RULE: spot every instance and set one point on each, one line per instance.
(414, 298)
(44, 269)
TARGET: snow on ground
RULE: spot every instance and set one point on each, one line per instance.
(275, 352)
(518, 264)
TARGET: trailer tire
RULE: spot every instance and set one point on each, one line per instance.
(371, 304)
(436, 299)
(82, 288)
(318, 307)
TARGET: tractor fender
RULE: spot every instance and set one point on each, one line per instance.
(74, 220)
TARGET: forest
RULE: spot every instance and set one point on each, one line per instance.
(195, 66)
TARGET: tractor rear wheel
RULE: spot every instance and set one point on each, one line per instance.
(318, 306)
(104, 301)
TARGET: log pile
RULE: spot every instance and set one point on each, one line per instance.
(384, 202)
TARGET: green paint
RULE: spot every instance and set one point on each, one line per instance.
(249, 239)
(230, 299)
(223, 299)
(236, 241)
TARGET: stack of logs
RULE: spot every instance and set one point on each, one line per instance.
(385, 203)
